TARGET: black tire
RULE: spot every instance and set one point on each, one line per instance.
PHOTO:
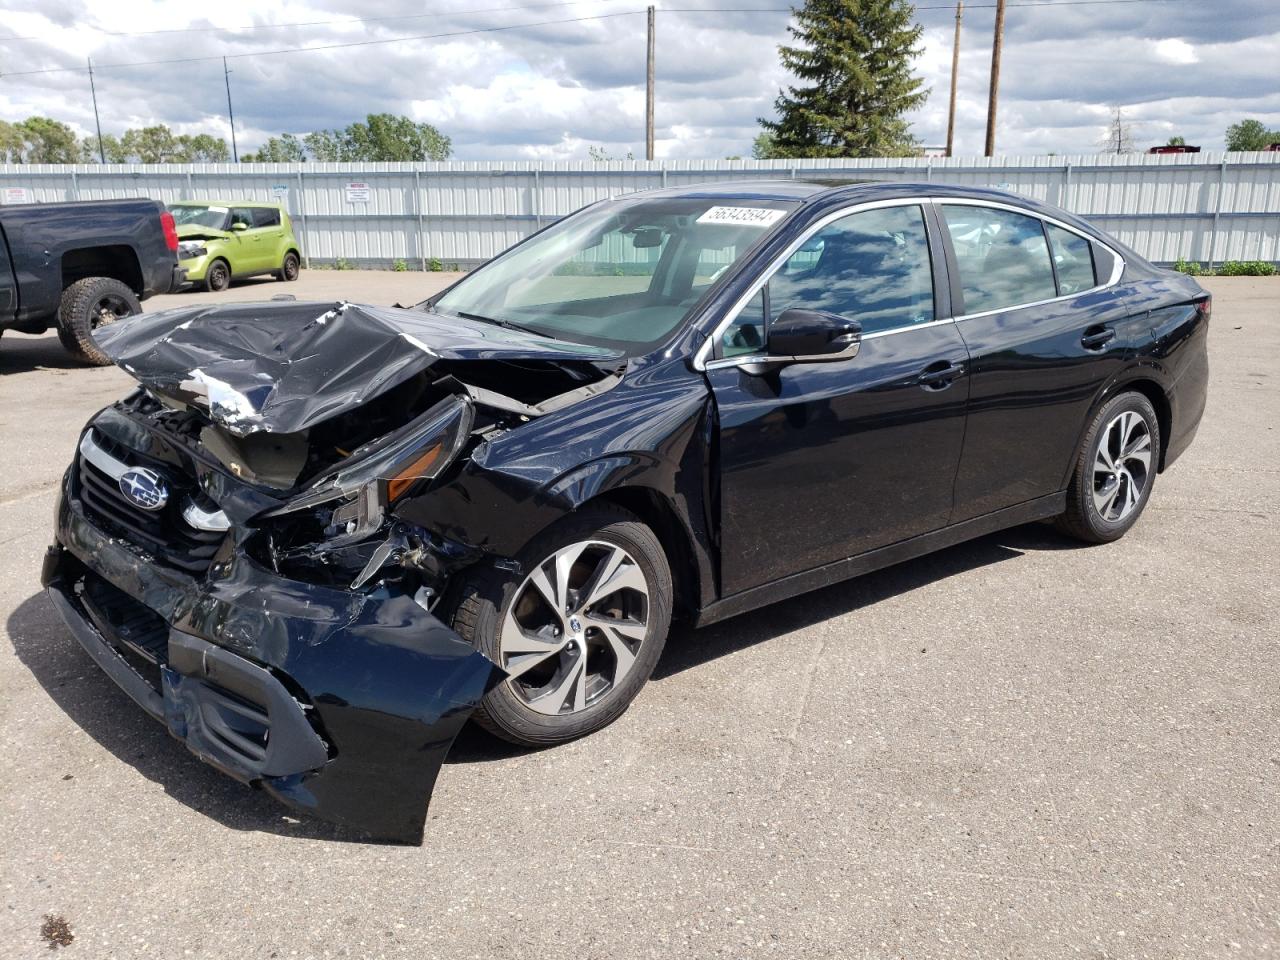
(290, 268)
(483, 600)
(217, 276)
(88, 304)
(1082, 518)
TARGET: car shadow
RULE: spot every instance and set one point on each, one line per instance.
(21, 352)
(95, 704)
(688, 648)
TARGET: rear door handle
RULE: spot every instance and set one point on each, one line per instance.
(1095, 338)
(939, 375)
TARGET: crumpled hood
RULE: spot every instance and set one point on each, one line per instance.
(281, 367)
(194, 231)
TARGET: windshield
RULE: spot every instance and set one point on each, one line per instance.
(200, 215)
(622, 274)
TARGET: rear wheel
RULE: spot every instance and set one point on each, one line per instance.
(1115, 470)
(290, 267)
(87, 305)
(217, 276)
(578, 630)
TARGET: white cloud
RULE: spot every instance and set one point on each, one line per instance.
(555, 90)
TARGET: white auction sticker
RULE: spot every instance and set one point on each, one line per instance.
(744, 216)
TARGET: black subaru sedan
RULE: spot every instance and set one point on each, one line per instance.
(317, 538)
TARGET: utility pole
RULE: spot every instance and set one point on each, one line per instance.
(226, 76)
(955, 75)
(102, 155)
(996, 43)
(648, 99)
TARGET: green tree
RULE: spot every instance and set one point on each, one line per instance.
(763, 147)
(201, 148)
(155, 144)
(1250, 135)
(381, 137)
(38, 140)
(285, 148)
(853, 60)
(1177, 142)
(112, 149)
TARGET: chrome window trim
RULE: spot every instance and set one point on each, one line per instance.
(700, 357)
(1117, 269)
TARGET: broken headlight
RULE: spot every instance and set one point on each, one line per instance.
(341, 520)
(191, 249)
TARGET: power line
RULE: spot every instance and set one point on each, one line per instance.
(522, 26)
(253, 27)
(327, 46)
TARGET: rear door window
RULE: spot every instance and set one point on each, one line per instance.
(266, 217)
(1002, 256)
(1073, 259)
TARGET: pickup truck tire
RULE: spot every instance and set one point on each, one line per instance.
(217, 276)
(88, 304)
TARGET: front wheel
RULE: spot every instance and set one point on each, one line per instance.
(217, 276)
(1115, 470)
(578, 630)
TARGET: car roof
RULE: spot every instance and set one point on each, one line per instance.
(212, 202)
(815, 192)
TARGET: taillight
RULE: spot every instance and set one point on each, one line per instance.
(170, 230)
(1205, 307)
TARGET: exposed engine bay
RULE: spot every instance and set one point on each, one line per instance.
(332, 415)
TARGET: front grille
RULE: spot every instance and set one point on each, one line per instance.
(137, 632)
(162, 534)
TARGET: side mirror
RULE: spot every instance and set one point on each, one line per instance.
(814, 336)
(239, 226)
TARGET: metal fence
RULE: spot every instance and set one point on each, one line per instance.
(1208, 207)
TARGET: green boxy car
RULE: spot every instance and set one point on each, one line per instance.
(221, 239)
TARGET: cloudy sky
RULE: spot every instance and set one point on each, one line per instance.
(1186, 67)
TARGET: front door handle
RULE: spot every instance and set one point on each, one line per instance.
(937, 376)
(1095, 338)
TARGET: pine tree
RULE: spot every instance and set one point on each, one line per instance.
(853, 58)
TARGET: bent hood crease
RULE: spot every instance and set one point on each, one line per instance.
(281, 367)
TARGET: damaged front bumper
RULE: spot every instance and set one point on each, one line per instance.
(341, 704)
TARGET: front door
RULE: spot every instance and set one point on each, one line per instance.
(826, 460)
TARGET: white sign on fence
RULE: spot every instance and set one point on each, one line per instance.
(358, 192)
(280, 193)
(16, 195)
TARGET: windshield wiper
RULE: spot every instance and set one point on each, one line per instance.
(508, 324)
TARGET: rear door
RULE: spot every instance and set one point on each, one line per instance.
(267, 226)
(1046, 327)
(824, 461)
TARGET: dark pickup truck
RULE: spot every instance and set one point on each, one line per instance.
(79, 265)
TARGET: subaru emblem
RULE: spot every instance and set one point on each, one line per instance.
(144, 488)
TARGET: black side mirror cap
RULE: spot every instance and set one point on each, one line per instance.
(809, 336)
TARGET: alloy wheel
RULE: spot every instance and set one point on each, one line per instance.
(1122, 466)
(108, 309)
(574, 627)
